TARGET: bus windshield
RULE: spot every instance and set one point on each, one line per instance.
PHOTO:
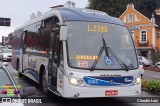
(85, 44)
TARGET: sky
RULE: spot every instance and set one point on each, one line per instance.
(20, 11)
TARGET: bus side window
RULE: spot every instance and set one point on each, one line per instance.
(24, 41)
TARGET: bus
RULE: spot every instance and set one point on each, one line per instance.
(77, 53)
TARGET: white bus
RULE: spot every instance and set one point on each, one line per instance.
(77, 52)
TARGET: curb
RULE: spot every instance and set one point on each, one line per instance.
(150, 91)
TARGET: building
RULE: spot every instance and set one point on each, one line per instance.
(144, 27)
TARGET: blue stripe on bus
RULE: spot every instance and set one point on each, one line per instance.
(108, 81)
(32, 72)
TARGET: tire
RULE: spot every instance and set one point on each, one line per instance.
(44, 84)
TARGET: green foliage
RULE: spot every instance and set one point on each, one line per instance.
(155, 55)
(10, 36)
(117, 7)
(146, 5)
(152, 85)
(144, 84)
(109, 6)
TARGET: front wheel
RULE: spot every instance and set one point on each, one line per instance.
(44, 84)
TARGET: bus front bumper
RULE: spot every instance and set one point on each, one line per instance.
(72, 91)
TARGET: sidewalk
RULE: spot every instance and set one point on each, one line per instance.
(152, 68)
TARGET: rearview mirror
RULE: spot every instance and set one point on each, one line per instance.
(63, 33)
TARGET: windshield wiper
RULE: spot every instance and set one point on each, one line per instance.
(95, 62)
(106, 48)
(113, 54)
(119, 60)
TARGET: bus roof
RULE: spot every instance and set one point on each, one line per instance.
(81, 14)
(77, 14)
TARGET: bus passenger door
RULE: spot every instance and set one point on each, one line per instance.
(54, 60)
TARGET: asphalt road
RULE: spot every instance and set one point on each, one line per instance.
(151, 75)
(57, 101)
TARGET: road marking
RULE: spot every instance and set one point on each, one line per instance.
(157, 77)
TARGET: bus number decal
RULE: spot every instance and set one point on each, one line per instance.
(97, 28)
(93, 81)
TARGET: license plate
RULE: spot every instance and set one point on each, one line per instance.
(111, 92)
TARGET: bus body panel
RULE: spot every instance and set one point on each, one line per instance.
(32, 64)
(71, 91)
(60, 82)
(96, 90)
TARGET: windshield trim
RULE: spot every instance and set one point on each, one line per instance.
(67, 51)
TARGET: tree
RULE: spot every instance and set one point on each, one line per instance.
(112, 7)
(146, 5)
(155, 55)
(117, 7)
(70, 4)
(10, 36)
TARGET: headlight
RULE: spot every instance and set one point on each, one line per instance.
(76, 81)
(4, 55)
(73, 81)
(137, 80)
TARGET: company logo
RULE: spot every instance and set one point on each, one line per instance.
(94, 12)
(128, 80)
